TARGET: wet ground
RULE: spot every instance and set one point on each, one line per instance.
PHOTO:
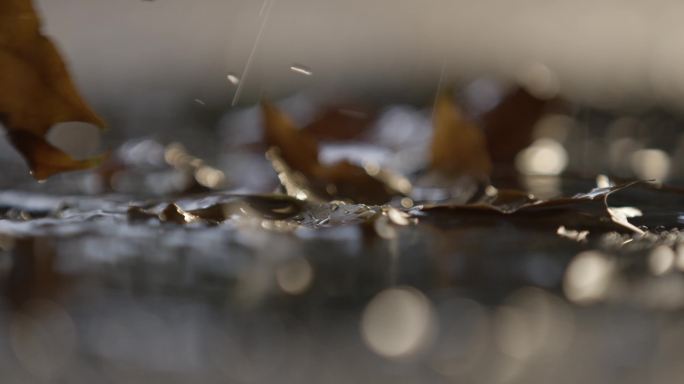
(164, 267)
(96, 291)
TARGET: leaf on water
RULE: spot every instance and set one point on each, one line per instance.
(175, 214)
(268, 207)
(304, 177)
(166, 213)
(344, 180)
(37, 91)
(584, 209)
(458, 147)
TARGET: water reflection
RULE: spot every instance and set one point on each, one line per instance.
(544, 157)
(398, 322)
(299, 294)
(651, 164)
(661, 259)
(43, 339)
(588, 277)
(295, 276)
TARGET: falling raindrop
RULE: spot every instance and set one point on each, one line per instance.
(233, 79)
(439, 86)
(301, 69)
(264, 14)
(200, 102)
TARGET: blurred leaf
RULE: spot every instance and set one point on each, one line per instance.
(458, 146)
(344, 180)
(268, 207)
(296, 161)
(44, 159)
(298, 149)
(340, 124)
(509, 126)
(37, 91)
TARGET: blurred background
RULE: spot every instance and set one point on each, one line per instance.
(175, 72)
(153, 55)
(91, 296)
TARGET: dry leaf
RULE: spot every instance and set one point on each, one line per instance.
(37, 91)
(458, 146)
(344, 180)
(341, 124)
(44, 159)
(509, 126)
(269, 207)
(296, 161)
(582, 210)
(298, 149)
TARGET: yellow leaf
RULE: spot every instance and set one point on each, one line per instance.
(458, 146)
(36, 91)
(297, 148)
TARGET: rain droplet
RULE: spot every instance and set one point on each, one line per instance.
(200, 102)
(301, 69)
(233, 79)
(543, 157)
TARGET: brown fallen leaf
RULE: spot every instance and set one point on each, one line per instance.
(582, 210)
(44, 159)
(344, 180)
(297, 148)
(295, 159)
(268, 207)
(509, 126)
(458, 147)
(341, 124)
(37, 91)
